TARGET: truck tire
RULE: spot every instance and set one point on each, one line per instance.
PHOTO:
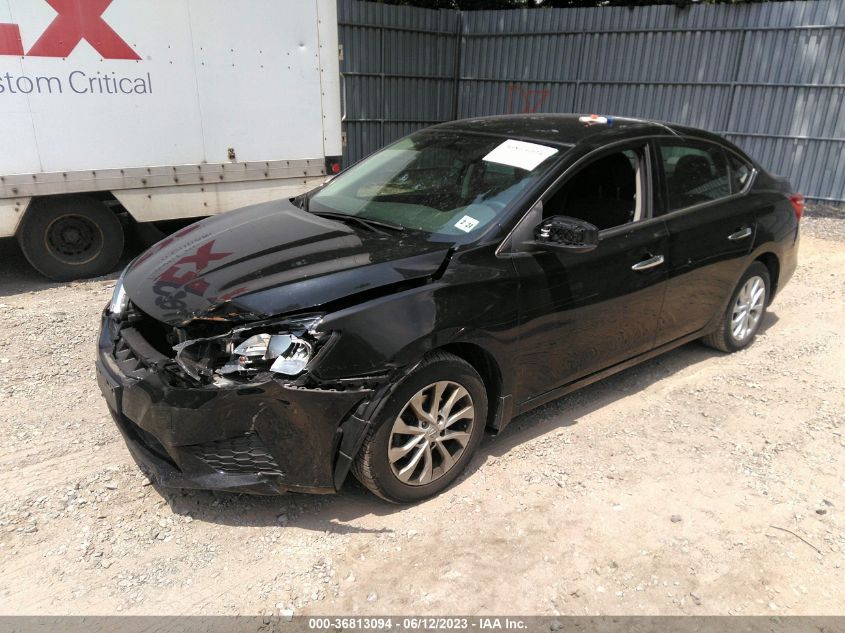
(71, 238)
(148, 233)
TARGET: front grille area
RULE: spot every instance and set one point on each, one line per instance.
(239, 455)
(127, 360)
(158, 335)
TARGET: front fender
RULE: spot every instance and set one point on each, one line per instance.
(393, 332)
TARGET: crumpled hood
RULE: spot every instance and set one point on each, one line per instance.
(268, 260)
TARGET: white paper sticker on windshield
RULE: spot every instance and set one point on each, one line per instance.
(466, 224)
(520, 154)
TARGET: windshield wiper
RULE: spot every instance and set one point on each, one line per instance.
(369, 223)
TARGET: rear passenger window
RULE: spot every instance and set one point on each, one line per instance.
(694, 174)
(740, 173)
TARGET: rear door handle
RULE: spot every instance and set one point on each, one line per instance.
(648, 264)
(740, 235)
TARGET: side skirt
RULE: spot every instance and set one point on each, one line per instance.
(559, 392)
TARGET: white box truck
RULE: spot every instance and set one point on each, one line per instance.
(164, 109)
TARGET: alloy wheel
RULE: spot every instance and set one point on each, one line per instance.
(431, 433)
(748, 308)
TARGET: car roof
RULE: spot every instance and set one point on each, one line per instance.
(571, 129)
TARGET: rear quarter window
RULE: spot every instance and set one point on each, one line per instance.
(740, 173)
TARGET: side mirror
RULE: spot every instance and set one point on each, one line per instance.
(565, 233)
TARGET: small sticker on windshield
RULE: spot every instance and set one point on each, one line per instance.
(466, 224)
(520, 154)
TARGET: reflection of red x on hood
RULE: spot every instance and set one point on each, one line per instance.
(267, 260)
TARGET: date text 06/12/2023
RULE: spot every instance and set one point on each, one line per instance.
(387, 623)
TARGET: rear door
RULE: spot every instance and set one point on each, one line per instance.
(583, 312)
(711, 231)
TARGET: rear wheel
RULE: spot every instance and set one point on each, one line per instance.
(426, 433)
(71, 238)
(741, 321)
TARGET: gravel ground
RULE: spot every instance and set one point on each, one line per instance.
(826, 222)
(697, 483)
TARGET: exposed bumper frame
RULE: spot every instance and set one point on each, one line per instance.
(163, 425)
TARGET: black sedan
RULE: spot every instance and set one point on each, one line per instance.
(459, 277)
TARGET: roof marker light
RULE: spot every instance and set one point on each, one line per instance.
(593, 119)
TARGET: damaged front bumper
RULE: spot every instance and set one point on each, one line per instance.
(264, 437)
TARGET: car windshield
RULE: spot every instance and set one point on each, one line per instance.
(444, 183)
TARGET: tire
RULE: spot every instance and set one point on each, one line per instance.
(373, 466)
(148, 233)
(724, 337)
(71, 238)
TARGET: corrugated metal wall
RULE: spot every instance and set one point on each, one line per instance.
(399, 66)
(769, 76)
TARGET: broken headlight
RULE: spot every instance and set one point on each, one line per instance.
(119, 299)
(283, 347)
(284, 354)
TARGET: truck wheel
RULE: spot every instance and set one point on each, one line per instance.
(148, 233)
(426, 433)
(71, 238)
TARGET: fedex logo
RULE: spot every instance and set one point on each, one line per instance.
(77, 20)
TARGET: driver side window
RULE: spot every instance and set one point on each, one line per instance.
(607, 192)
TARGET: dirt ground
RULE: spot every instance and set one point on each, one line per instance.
(697, 483)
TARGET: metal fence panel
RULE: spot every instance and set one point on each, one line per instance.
(701, 106)
(790, 111)
(481, 98)
(664, 57)
(769, 76)
(399, 67)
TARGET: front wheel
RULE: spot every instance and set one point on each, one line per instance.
(741, 321)
(426, 433)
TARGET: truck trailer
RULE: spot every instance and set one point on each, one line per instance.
(159, 109)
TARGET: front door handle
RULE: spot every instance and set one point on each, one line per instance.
(648, 264)
(740, 235)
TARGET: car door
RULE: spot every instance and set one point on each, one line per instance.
(583, 312)
(711, 231)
